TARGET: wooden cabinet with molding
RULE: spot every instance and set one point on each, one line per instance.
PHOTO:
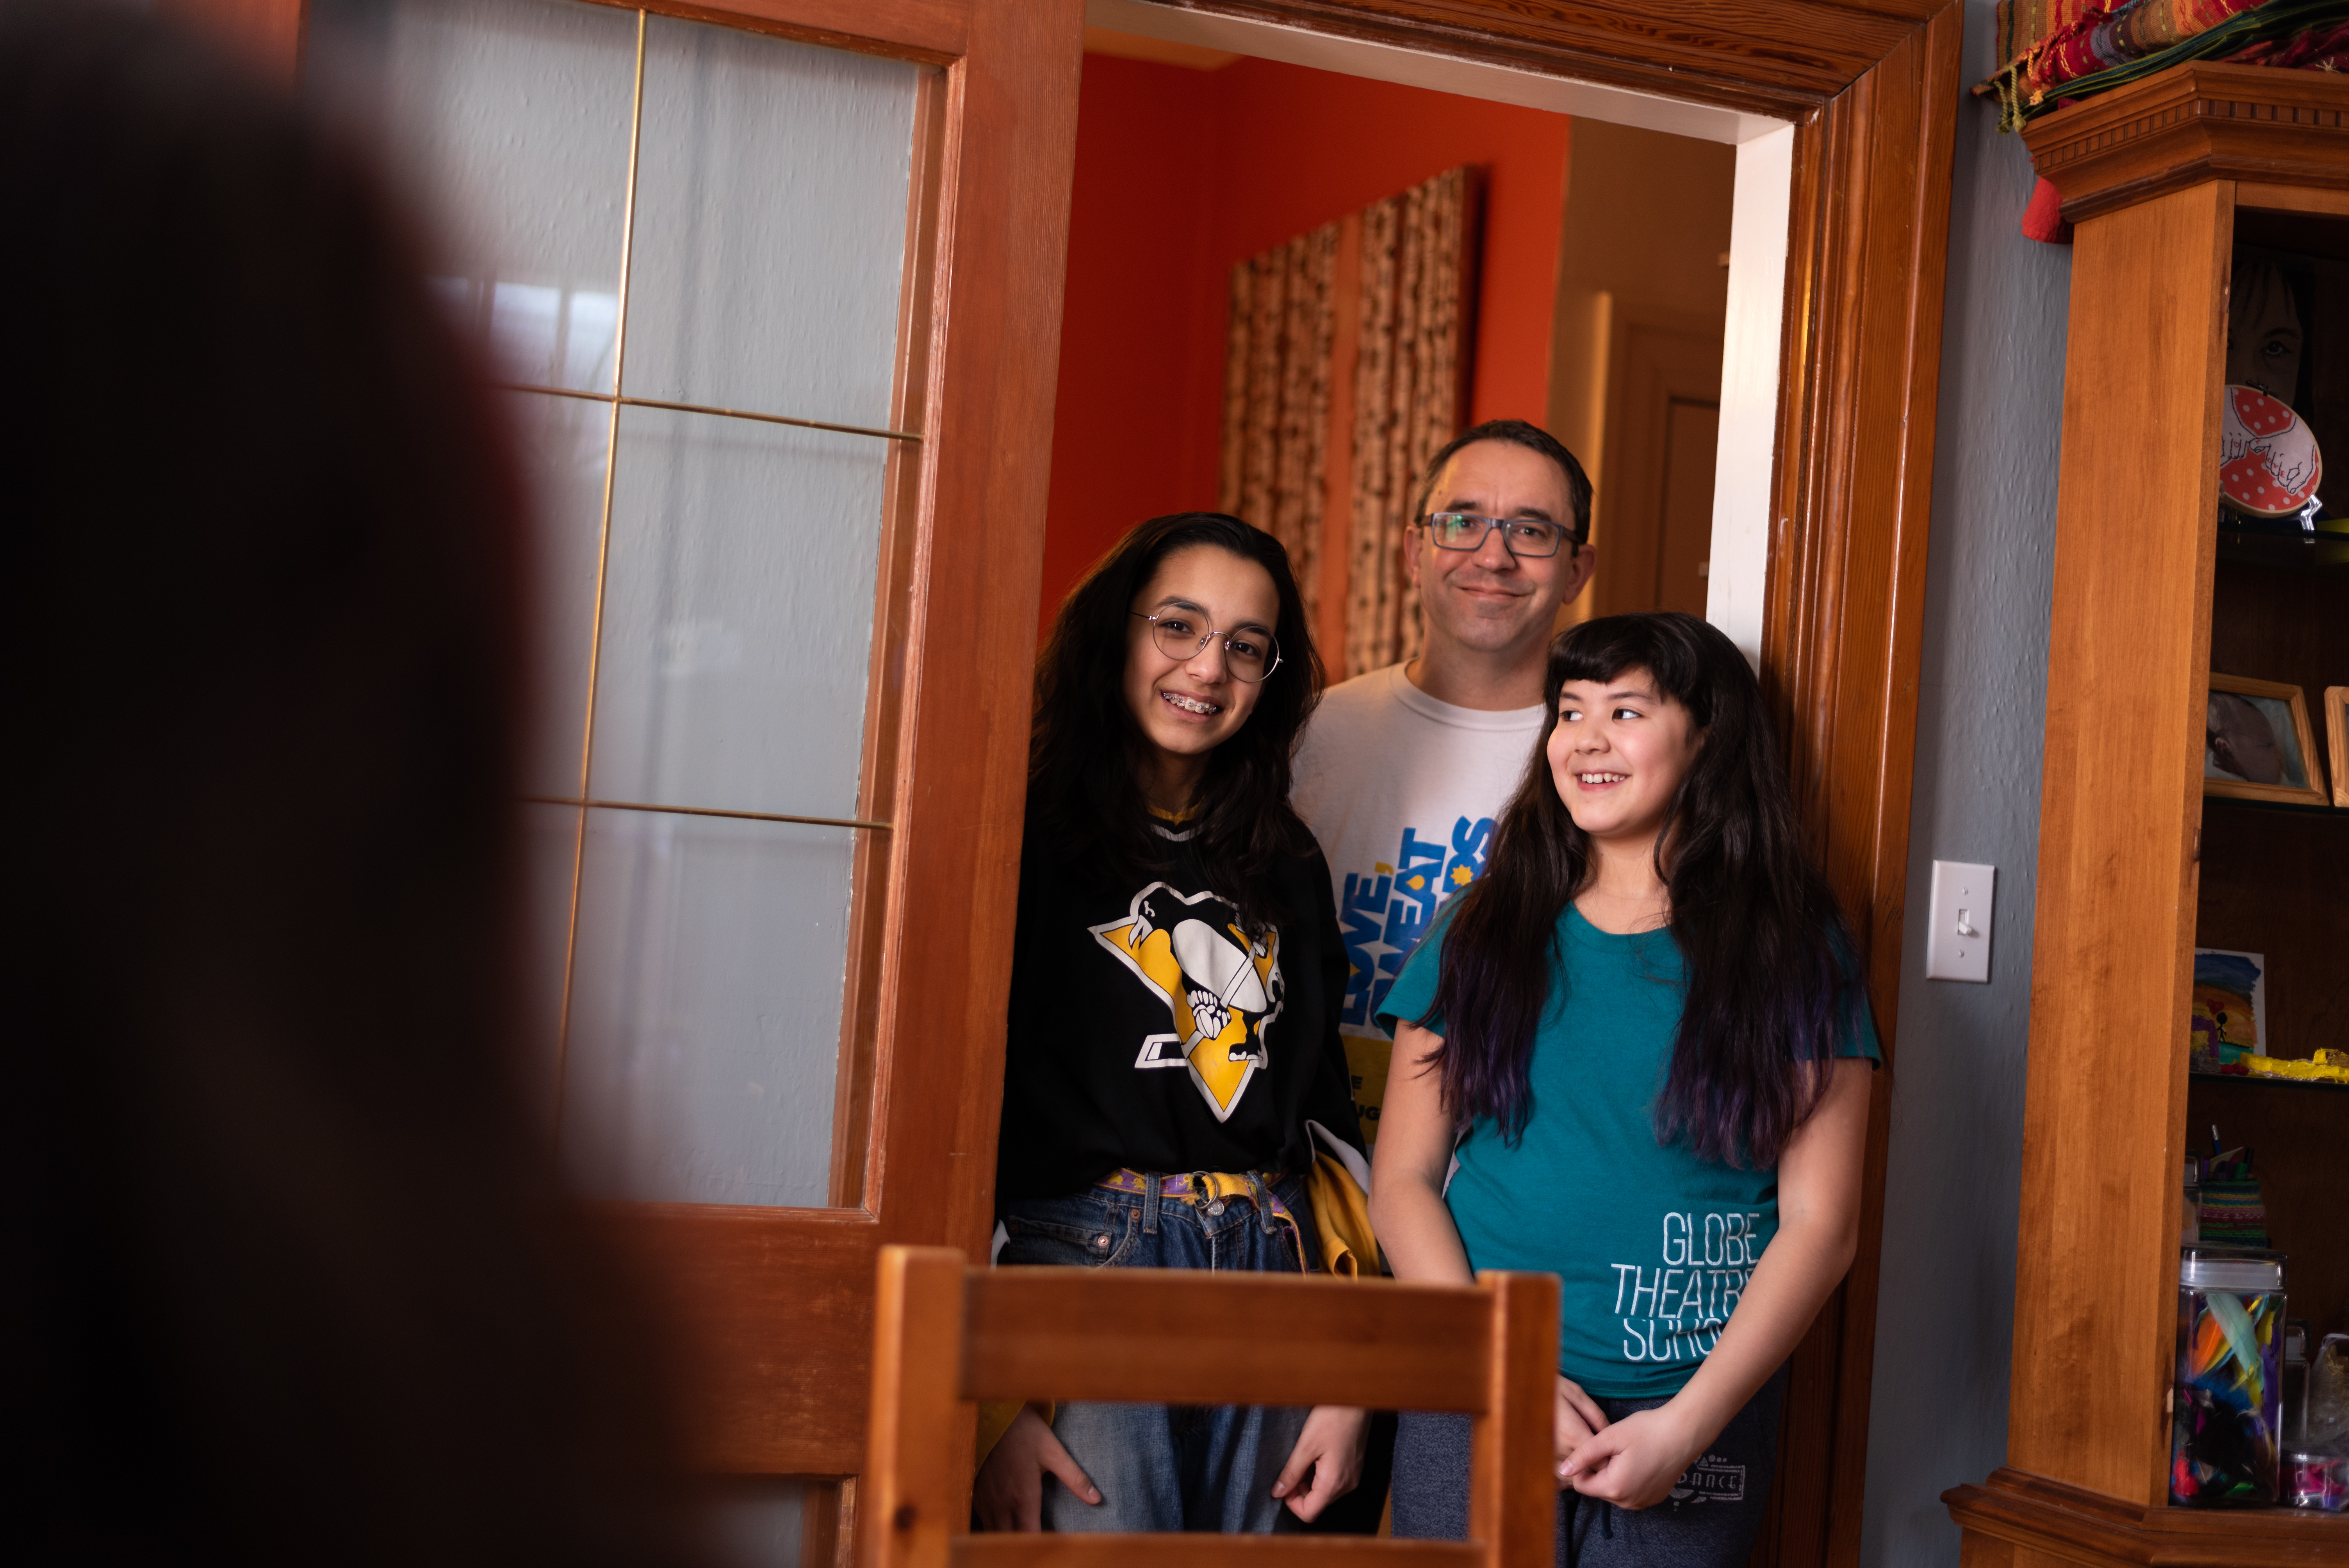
(2163, 181)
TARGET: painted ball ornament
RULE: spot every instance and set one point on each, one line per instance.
(2268, 462)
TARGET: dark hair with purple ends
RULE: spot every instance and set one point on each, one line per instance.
(1084, 775)
(1771, 988)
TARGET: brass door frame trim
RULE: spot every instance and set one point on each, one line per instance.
(585, 804)
(623, 400)
(602, 571)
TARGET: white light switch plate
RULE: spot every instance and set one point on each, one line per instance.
(1957, 937)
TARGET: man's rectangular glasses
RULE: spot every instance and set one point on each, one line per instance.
(1529, 536)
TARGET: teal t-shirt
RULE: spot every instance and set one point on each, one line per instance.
(1651, 1245)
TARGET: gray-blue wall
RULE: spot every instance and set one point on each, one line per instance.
(1944, 1321)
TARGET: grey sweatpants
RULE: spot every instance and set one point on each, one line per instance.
(1711, 1519)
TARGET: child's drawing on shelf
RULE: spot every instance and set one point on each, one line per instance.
(2230, 1009)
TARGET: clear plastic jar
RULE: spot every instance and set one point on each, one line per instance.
(2226, 1426)
(2316, 1480)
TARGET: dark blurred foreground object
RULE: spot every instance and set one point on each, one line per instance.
(284, 1273)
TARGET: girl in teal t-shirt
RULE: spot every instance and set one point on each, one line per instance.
(1635, 1055)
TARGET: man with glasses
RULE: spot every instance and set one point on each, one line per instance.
(1403, 771)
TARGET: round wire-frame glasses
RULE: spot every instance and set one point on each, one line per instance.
(1179, 635)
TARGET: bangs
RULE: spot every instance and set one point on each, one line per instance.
(1661, 644)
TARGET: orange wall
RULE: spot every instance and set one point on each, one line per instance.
(1180, 175)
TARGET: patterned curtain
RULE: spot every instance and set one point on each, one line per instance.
(1410, 388)
(1276, 398)
(1410, 395)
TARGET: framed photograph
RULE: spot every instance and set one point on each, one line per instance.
(2336, 741)
(2257, 744)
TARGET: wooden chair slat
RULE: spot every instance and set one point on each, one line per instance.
(1512, 1493)
(944, 1334)
(1185, 1337)
(918, 1430)
(1108, 1551)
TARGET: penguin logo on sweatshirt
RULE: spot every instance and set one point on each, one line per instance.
(1222, 987)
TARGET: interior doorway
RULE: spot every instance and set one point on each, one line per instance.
(1636, 358)
(1290, 279)
(1297, 271)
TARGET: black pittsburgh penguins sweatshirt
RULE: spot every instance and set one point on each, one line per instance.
(1148, 1031)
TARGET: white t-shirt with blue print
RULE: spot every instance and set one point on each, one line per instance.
(1404, 792)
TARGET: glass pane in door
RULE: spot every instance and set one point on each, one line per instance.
(706, 1002)
(771, 224)
(634, 208)
(737, 614)
(508, 120)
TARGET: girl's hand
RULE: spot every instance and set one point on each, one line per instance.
(1634, 1462)
(1579, 1415)
(1009, 1492)
(1331, 1447)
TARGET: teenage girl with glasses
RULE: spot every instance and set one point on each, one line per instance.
(1642, 1062)
(1174, 1068)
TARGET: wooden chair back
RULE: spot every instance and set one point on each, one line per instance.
(945, 1334)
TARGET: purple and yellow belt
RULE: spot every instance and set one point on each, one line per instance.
(1211, 1190)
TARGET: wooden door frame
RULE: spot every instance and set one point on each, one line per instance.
(1872, 89)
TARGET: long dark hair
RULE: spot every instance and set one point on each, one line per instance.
(289, 1259)
(1768, 958)
(1085, 756)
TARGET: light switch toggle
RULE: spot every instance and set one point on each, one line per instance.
(1956, 933)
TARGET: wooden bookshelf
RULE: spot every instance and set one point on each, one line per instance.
(2136, 868)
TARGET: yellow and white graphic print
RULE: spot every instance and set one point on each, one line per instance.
(1222, 987)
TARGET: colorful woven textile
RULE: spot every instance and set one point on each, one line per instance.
(2096, 48)
(2103, 39)
(2319, 49)
(2234, 1213)
(2024, 25)
(2281, 33)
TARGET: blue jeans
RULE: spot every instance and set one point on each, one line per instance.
(1710, 1521)
(1166, 1467)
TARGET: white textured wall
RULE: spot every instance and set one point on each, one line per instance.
(1945, 1319)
